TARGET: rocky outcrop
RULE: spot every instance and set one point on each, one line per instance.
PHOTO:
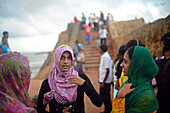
(67, 37)
(120, 32)
(120, 28)
(149, 34)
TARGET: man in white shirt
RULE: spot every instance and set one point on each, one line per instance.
(103, 35)
(105, 77)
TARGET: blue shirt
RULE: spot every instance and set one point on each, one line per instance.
(5, 49)
(76, 48)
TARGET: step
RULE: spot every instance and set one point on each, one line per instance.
(91, 65)
(92, 55)
(96, 54)
(90, 47)
(109, 44)
(92, 62)
(92, 70)
(91, 52)
(92, 58)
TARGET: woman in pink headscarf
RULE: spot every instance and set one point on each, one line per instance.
(65, 86)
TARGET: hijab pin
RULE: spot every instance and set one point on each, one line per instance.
(62, 76)
(64, 99)
(53, 91)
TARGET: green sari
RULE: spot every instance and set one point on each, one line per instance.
(142, 69)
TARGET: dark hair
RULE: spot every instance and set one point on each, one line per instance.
(120, 58)
(119, 68)
(130, 51)
(69, 54)
(4, 33)
(102, 27)
(121, 53)
(164, 50)
(103, 47)
(166, 41)
(77, 42)
(122, 50)
(134, 42)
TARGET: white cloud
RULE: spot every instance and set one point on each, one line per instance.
(17, 28)
(33, 44)
(31, 19)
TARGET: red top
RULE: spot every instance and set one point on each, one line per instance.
(87, 29)
(75, 19)
(143, 20)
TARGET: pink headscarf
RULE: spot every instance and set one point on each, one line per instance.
(14, 83)
(61, 90)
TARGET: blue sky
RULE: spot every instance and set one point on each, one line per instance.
(34, 25)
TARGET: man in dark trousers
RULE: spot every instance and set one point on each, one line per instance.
(105, 77)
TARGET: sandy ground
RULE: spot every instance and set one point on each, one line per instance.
(89, 107)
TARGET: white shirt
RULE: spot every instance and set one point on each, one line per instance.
(105, 62)
(102, 33)
(80, 56)
(110, 17)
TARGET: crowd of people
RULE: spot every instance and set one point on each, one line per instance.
(94, 23)
(93, 20)
(63, 90)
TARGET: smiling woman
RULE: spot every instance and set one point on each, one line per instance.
(137, 94)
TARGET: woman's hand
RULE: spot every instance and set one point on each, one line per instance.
(125, 90)
(74, 79)
(66, 110)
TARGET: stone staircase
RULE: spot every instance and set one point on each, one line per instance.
(92, 54)
(92, 57)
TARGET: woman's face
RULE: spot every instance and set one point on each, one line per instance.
(125, 64)
(65, 62)
(5, 40)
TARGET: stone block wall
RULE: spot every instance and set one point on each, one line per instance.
(149, 34)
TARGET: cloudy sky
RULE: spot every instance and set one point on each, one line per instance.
(34, 25)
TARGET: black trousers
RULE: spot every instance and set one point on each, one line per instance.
(103, 40)
(105, 95)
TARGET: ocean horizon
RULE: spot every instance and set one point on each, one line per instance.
(36, 59)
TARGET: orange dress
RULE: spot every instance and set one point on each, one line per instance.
(118, 105)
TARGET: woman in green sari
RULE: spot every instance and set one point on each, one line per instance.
(136, 94)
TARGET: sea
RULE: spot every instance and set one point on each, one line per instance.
(36, 61)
